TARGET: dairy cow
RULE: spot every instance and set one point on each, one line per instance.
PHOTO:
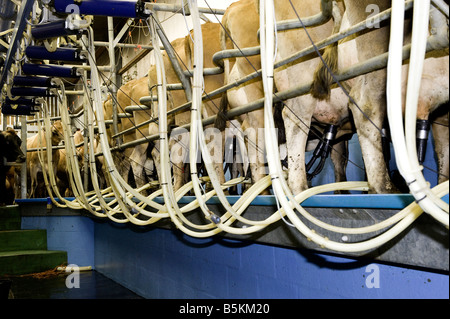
(241, 23)
(179, 142)
(240, 26)
(36, 184)
(369, 92)
(61, 170)
(10, 151)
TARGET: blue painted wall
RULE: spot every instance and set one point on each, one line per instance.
(158, 263)
(165, 264)
(74, 234)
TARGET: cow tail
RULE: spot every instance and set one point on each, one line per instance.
(221, 118)
(279, 122)
(323, 79)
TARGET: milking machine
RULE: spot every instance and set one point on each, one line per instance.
(31, 80)
(322, 151)
(404, 141)
(282, 192)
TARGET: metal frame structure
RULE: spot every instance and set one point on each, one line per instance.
(130, 209)
(435, 42)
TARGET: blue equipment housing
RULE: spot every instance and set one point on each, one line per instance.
(29, 91)
(21, 101)
(111, 8)
(8, 109)
(34, 52)
(33, 81)
(52, 29)
(20, 106)
(49, 70)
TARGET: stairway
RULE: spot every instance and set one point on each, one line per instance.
(24, 251)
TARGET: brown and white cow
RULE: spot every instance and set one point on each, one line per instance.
(299, 113)
(138, 155)
(175, 98)
(117, 156)
(241, 22)
(62, 172)
(127, 95)
(179, 143)
(369, 92)
(124, 99)
(440, 130)
(36, 182)
(240, 26)
(211, 105)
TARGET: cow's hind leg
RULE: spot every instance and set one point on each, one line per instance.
(440, 135)
(296, 138)
(339, 157)
(371, 105)
(138, 158)
(179, 147)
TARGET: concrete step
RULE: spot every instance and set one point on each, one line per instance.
(10, 218)
(34, 239)
(30, 261)
(24, 251)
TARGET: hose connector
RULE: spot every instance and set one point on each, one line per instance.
(214, 218)
(322, 151)
(422, 131)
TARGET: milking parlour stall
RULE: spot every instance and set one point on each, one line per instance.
(205, 149)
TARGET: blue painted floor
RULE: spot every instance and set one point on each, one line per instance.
(92, 285)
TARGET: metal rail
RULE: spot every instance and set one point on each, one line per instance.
(219, 56)
(435, 42)
(368, 66)
(176, 8)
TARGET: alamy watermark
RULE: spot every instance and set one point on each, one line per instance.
(73, 279)
(373, 277)
(374, 10)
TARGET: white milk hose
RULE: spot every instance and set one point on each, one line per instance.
(405, 147)
(129, 205)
